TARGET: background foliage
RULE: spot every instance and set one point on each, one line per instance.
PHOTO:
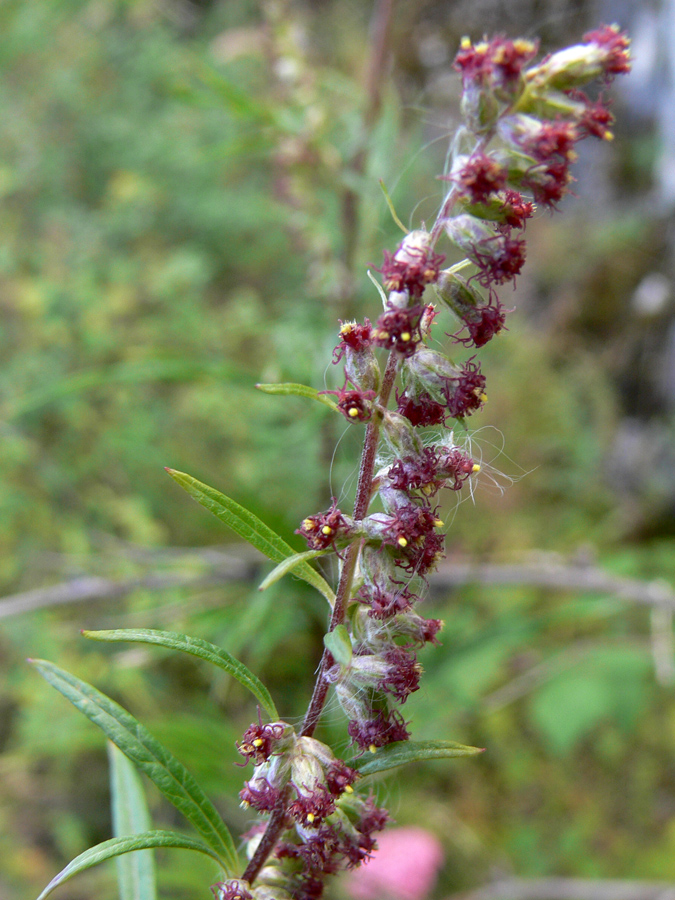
(189, 202)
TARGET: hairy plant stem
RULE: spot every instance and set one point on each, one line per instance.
(277, 822)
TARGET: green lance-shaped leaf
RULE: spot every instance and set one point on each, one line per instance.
(298, 390)
(151, 757)
(119, 845)
(402, 752)
(250, 528)
(196, 647)
(130, 816)
(339, 644)
(288, 565)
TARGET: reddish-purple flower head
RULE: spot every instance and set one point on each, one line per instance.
(412, 267)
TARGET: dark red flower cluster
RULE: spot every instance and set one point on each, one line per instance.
(385, 604)
(499, 258)
(417, 473)
(410, 269)
(409, 525)
(385, 727)
(498, 62)
(312, 805)
(480, 177)
(353, 336)
(430, 470)
(399, 329)
(421, 409)
(260, 794)
(466, 394)
(516, 208)
(615, 47)
(355, 405)
(231, 890)
(403, 677)
(260, 741)
(482, 323)
(321, 530)
(595, 119)
(332, 847)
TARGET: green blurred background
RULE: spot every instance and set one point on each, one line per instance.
(189, 202)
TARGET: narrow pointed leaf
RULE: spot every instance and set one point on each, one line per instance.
(130, 816)
(119, 845)
(298, 390)
(339, 644)
(402, 752)
(196, 647)
(250, 528)
(378, 286)
(151, 757)
(392, 210)
(288, 565)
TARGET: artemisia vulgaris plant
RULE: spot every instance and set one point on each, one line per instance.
(312, 812)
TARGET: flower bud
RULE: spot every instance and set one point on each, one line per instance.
(482, 318)
(399, 435)
(361, 366)
(604, 54)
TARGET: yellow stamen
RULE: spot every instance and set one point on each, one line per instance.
(475, 469)
(258, 742)
(402, 542)
(308, 524)
(427, 488)
(353, 412)
(326, 529)
(310, 817)
(406, 336)
(465, 43)
(438, 523)
(608, 136)
(483, 398)
(349, 789)
(373, 748)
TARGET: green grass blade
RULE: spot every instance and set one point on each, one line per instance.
(130, 816)
(146, 752)
(196, 647)
(119, 845)
(403, 752)
(249, 527)
(298, 390)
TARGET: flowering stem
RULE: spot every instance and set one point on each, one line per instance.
(364, 489)
(363, 495)
(274, 828)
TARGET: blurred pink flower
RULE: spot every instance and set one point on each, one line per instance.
(404, 867)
